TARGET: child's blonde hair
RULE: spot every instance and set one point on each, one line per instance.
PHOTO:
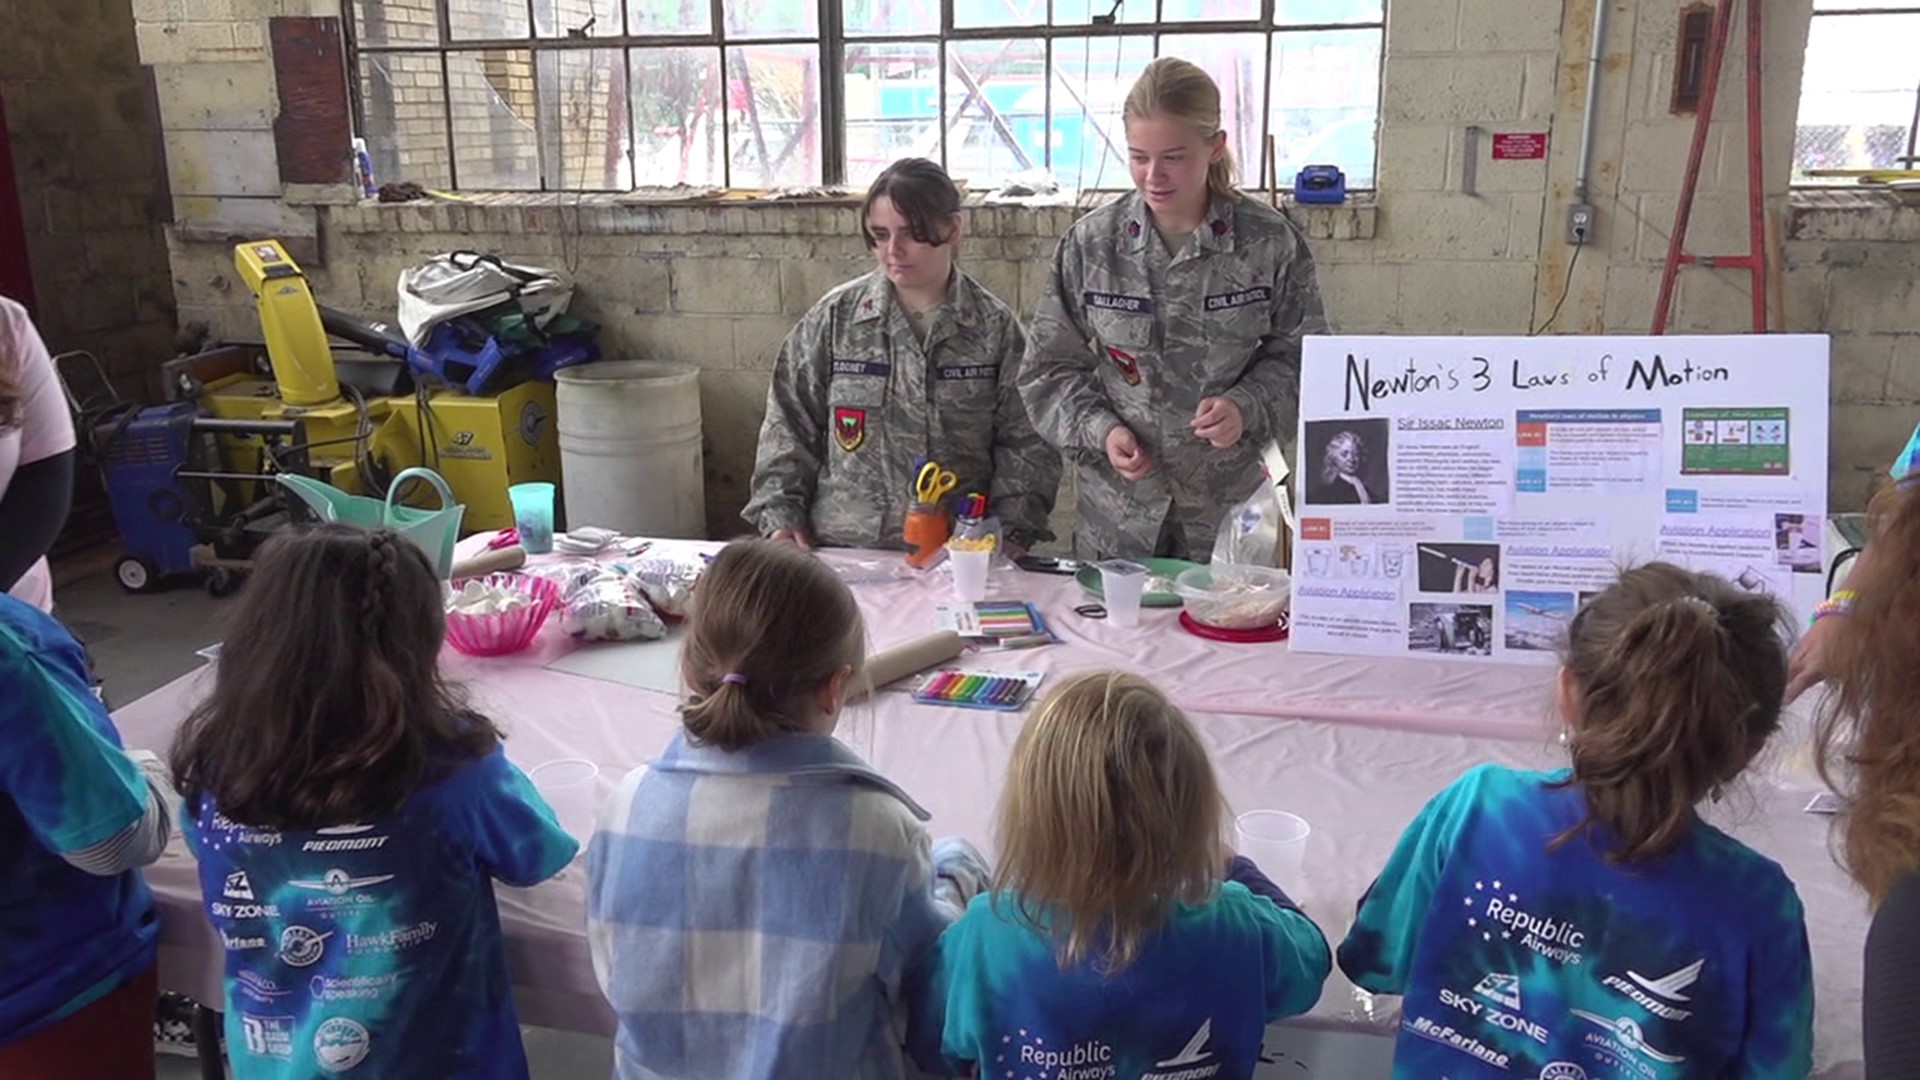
(1179, 88)
(1110, 816)
(771, 625)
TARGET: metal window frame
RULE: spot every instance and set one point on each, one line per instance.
(1910, 7)
(832, 41)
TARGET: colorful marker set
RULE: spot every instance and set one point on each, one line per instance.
(1008, 619)
(1003, 691)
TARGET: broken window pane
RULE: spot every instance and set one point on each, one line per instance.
(494, 143)
(405, 109)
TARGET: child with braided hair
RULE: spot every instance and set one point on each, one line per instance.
(349, 814)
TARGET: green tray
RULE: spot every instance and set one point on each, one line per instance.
(1089, 579)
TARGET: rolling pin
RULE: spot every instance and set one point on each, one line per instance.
(903, 660)
(490, 562)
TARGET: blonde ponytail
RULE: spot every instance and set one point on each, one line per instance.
(1180, 89)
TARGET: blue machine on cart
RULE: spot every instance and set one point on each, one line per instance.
(177, 511)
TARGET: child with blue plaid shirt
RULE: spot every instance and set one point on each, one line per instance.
(757, 894)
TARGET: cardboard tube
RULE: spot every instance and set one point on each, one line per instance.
(491, 562)
(915, 656)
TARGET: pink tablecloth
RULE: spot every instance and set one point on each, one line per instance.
(1355, 746)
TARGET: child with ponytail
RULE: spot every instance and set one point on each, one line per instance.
(1586, 922)
(756, 895)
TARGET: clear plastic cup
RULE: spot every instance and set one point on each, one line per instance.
(970, 570)
(570, 786)
(1124, 585)
(533, 516)
(1276, 841)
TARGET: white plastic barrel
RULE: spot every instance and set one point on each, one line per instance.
(630, 455)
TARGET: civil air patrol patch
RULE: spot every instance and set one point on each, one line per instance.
(849, 427)
(1129, 367)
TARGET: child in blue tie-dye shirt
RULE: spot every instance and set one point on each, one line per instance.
(350, 817)
(1111, 947)
(1586, 924)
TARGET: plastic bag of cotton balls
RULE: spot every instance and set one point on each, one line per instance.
(667, 581)
(610, 607)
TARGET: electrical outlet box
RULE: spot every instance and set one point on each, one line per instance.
(1580, 223)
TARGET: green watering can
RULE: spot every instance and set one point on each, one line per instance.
(436, 531)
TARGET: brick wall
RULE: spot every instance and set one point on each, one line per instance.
(88, 177)
(721, 286)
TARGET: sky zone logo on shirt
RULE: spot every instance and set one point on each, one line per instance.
(220, 909)
(237, 886)
(1493, 1017)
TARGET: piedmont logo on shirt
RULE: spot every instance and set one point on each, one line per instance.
(1649, 993)
(1191, 1063)
(345, 838)
(340, 1044)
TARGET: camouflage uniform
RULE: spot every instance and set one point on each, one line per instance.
(1128, 334)
(856, 399)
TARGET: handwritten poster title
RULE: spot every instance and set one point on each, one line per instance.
(1478, 374)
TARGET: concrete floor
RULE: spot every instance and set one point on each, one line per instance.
(142, 642)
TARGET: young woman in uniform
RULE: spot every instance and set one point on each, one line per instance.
(1166, 351)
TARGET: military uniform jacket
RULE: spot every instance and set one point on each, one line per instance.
(856, 400)
(1118, 339)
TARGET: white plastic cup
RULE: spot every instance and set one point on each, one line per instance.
(970, 570)
(1276, 841)
(1124, 585)
(568, 785)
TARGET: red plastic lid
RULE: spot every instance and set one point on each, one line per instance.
(1239, 637)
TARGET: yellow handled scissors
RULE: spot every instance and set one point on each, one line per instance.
(934, 483)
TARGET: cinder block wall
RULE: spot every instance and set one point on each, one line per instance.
(88, 176)
(721, 286)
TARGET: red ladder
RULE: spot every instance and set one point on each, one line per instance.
(1755, 260)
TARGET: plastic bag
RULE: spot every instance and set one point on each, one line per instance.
(610, 607)
(668, 581)
(1250, 533)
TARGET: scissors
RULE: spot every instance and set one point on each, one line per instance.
(934, 483)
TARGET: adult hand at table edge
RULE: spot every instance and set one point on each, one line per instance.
(1125, 455)
(1807, 667)
(1218, 421)
(796, 536)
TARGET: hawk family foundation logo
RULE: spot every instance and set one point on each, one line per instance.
(339, 1044)
(1494, 911)
(392, 941)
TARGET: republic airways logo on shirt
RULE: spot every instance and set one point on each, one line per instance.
(1497, 911)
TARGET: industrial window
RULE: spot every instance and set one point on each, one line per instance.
(1860, 97)
(611, 95)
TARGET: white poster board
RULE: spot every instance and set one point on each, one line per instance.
(1459, 496)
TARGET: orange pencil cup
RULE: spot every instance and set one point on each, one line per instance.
(925, 532)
